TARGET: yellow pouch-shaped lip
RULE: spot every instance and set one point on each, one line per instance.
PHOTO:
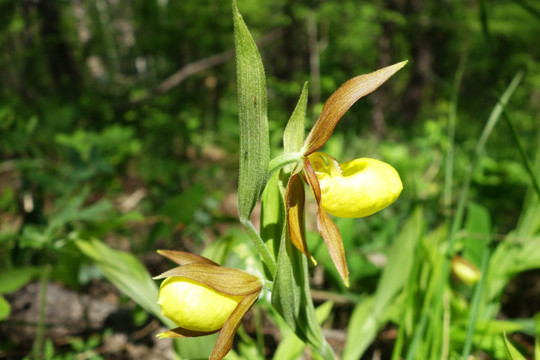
(355, 188)
(195, 306)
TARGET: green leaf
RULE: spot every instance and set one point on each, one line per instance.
(293, 136)
(252, 115)
(125, 272)
(12, 280)
(368, 317)
(291, 297)
(272, 215)
(181, 208)
(5, 308)
(511, 352)
(290, 347)
(529, 220)
(478, 225)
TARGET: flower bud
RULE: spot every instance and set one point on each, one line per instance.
(202, 298)
(195, 306)
(356, 188)
(465, 271)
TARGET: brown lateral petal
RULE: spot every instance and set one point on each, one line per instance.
(327, 228)
(295, 198)
(222, 279)
(226, 335)
(182, 333)
(341, 100)
(184, 258)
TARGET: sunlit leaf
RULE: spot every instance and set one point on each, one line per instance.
(253, 122)
(125, 272)
(272, 215)
(12, 280)
(511, 352)
(478, 225)
(5, 308)
(293, 136)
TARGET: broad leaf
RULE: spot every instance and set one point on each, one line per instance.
(125, 272)
(253, 122)
(12, 280)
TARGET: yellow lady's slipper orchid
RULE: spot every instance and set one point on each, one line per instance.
(181, 300)
(202, 298)
(353, 189)
(356, 188)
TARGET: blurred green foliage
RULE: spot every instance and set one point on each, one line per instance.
(118, 121)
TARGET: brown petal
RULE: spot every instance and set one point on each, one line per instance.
(222, 279)
(226, 335)
(341, 100)
(295, 198)
(327, 228)
(184, 258)
(183, 333)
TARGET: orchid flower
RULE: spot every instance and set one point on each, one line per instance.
(202, 298)
(353, 189)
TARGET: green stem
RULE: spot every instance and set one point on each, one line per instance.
(282, 160)
(261, 246)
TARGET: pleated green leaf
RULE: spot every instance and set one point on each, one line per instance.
(291, 297)
(252, 115)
